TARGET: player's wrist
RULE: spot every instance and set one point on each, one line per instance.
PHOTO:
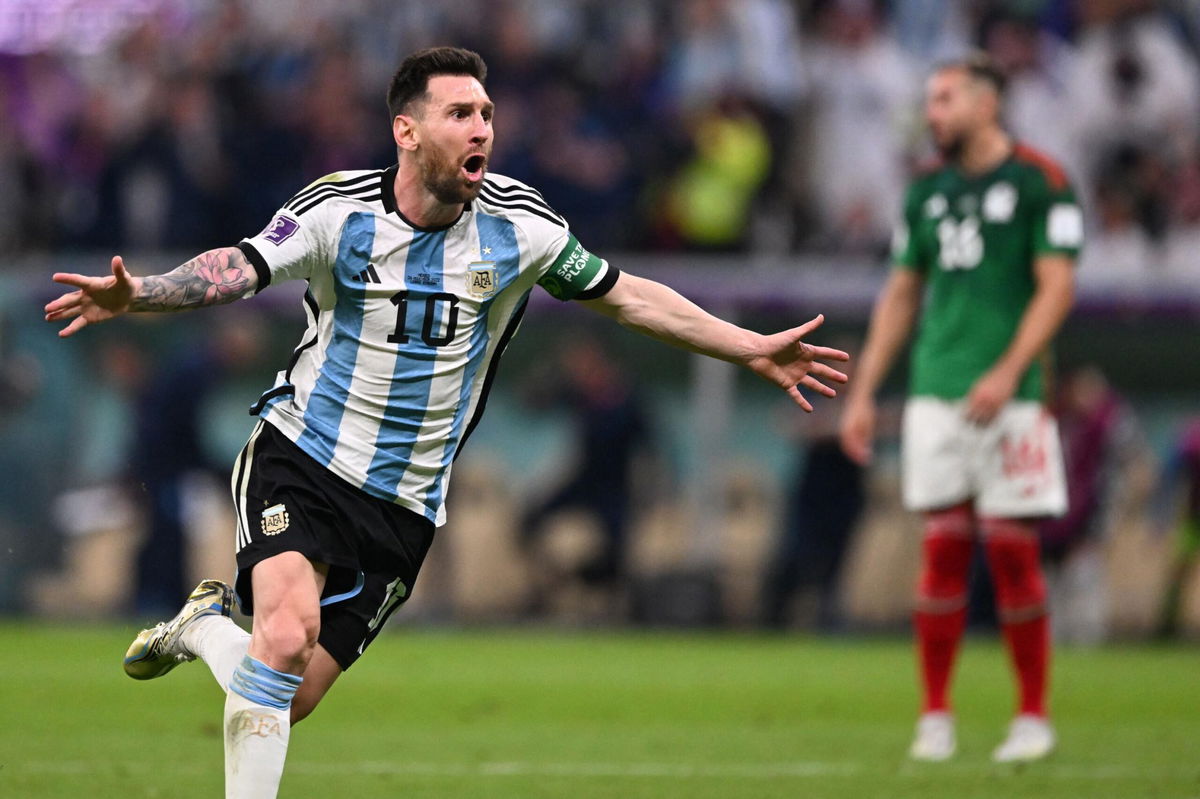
(859, 404)
(1009, 370)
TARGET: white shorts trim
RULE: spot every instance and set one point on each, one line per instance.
(1011, 468)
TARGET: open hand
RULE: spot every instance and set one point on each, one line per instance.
(789, 362)
(857, 432)
(989, 394)
(97, 299)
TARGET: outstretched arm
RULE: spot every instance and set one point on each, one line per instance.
(783, 358)
(211, 278)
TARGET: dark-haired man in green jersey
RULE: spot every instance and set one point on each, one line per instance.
(985, 255)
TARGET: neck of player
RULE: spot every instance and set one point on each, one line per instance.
(417, 204)
(985, 151)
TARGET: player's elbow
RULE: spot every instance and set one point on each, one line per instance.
(1056, 276)
(629, 302)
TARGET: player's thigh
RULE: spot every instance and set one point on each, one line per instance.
(1020, 464)
(287, 582)
(287, 589)
(288, 504)
(935, 454)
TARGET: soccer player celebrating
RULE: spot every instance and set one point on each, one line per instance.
(417, 278)
(986, 250)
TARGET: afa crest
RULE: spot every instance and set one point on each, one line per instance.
(275, 520)
(481, 279)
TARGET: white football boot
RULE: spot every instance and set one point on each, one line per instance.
(158, 650)
(1029, 738)
(935, 740)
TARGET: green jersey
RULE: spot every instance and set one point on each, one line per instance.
(974, 239)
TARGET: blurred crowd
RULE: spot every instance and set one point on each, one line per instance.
(723, 125)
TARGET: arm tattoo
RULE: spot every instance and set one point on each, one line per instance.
(211, 278)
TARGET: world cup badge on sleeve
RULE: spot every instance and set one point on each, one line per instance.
(280, 230)
(275, 520)
(481, 279)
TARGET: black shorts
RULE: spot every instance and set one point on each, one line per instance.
(287, 502)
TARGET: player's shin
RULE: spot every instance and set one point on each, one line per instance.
(941, 611)
(257, 728)
(1013, 558)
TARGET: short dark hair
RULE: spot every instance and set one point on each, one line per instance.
(411, 81)
(981, 67)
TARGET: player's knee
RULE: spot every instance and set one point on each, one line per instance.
(944, 574)
(288, 638)
(955, 521)
(946, 558)
(1014, 560)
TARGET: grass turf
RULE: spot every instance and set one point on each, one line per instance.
(514, 713)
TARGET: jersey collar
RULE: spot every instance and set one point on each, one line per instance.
(388, 189)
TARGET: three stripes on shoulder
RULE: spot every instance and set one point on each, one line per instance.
(368, 188)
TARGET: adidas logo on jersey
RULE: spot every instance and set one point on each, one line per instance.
(368, 275)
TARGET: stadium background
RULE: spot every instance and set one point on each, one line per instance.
(750, 153)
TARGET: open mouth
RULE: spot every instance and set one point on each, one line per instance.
(474, 166)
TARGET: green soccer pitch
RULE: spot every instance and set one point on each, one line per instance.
(515, 713)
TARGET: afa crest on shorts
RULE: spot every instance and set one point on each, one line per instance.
(481, 279)
(275, 520)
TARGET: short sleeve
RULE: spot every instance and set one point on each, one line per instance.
(1057, 220)
(907, 252)
(576, 274)
(291, 244)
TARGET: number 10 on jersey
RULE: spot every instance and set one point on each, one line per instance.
(434, 304)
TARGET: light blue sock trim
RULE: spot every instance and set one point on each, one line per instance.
(262, 685)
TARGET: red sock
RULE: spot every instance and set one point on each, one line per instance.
(1012, 551)
(942, 600)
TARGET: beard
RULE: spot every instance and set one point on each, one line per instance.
(443, 179)
(952, 148)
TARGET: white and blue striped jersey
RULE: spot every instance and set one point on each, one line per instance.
(406, 324)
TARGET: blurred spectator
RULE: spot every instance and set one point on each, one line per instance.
(710, 200)
(171, 452)
(747, 48)
(1102, 442)
(20, 375)
(579, 160)
(610, 431)
(853, 155)
(1134, 107)
(931, 30)
(825, 499)
(1036, 64)
(1180, 506)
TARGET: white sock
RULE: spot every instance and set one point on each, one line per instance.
(257, 728)
(219, 642)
